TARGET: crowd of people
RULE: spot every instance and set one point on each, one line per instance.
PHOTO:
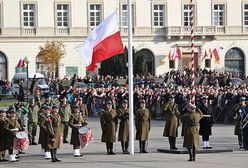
(218, 99)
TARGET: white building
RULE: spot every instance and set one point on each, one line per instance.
(159, 26)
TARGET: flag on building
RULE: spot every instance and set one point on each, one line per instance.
(205, 55)
(179, 54)
(216, 55)
(102, 43)
(20, 64)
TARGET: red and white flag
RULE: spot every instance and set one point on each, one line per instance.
(216, 54)
(179, 54)
(21, 64)
(205, 55)
(102, 43)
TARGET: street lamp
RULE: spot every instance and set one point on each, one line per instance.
(26, 60)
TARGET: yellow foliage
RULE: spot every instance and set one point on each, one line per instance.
(51, 53)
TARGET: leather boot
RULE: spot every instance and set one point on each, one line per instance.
(55, 155)
(33, 142)
(126, 147)
(111, 148)
(144, 147)
(174, 143)
(170, 142)
(107, 147)
(52, 155)
(190, 155)
(123, 146)
(140, 146)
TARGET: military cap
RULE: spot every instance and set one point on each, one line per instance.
(204, 97)
(124, 101)
(142, 101)
(47, 107)
(55, 107)
(11, 109)
(242, 99)
(2, 111)
(108, 102)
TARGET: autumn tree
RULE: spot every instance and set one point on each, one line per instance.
(51, 54)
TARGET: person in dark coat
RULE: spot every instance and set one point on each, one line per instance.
(76, 121)
(143, 125)
(243, 110)
(191, 139)
(206, 122)
(43, 134)
(123, 115)
(238, 130)
(3, 121)
(109, 125)
(53, 126)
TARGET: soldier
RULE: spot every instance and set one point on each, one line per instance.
(109, 124)
(3, 121)
(143, 125)
(43, 134)
(191, 134)
(76, 121)
(238, 122)
(123, 115)
(64, 112)
(32, 121)
(244, 118)
(172, 122)
(206, 122)
(12, 127)
(53, 124)
(48, 101)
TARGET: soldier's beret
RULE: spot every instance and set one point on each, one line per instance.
(108, 102)
(55, 107)
(124, 101)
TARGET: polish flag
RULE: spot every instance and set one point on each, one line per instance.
(216, 54)
(179, 54)
(102, 43)
(210, 53)
(205, 55)
(21, 64)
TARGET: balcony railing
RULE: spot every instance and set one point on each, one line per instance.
(62, 31)
(28, 31)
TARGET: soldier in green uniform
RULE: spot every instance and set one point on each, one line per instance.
(143, 125)
(12, 127)
(32, 121)
(43, 134)
(238, 130)
(3, 148)
(172, 122)
(123, 115)
(76, 121)
(64, 112)
(191, 135)
(53, 126)
(109, 124)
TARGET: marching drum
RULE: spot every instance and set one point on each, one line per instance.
(85, 136)
(21, 141)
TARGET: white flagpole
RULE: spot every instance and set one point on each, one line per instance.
(130, 78)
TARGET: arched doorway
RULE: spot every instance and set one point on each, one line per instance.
(3, 67)
(149, 58)
(234, 61)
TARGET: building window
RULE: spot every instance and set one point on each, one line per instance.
(28, 15)
(186, 14)
(124, 15)
(62, 15)
(3, 67)
(208, 63)
(172, 64)
(245, 14)
(95, 15)
(158, 15)
(219, 15)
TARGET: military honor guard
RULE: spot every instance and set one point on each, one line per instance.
(243, 110)
(76, 121)
(172, 122)
(191, 139)
(44, 114)
(32, 121)
(206, 122)
(123, 136)
(65, 112)
(143, 125)
(53, 126)
(109, 125)
(83, 109)
(3, 123)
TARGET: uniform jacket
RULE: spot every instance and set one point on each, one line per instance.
(143, 124)
(123, 115)
(65, 112)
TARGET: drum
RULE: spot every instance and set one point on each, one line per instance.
(85, 136)
(21, 141)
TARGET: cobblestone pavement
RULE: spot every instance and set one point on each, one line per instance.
(95, 154)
